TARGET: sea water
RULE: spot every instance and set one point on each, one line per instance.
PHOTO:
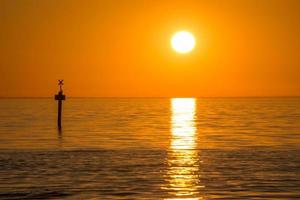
(150, 148)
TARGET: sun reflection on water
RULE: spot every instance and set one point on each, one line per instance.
(183, 157)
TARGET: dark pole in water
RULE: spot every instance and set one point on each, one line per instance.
(60, 97)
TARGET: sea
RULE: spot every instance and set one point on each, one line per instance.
(150, 148)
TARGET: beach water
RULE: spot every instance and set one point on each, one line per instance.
(150, 148)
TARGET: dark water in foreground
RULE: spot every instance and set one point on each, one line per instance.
(183, 149)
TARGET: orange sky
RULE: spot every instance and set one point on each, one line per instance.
(111, 48)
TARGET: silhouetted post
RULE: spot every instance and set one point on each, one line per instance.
(60, 97)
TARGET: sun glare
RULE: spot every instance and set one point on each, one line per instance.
(183, 42)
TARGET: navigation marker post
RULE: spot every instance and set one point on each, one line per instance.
(60, 97)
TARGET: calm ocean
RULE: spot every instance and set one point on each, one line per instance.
(150, 148)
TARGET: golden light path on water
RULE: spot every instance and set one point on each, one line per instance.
(183, 158)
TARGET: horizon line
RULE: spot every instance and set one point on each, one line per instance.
(140, 97)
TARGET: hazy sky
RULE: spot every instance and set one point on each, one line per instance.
(122, 47)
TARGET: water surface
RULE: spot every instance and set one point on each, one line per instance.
(148, 148)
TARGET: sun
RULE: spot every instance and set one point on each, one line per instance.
(183, 42)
